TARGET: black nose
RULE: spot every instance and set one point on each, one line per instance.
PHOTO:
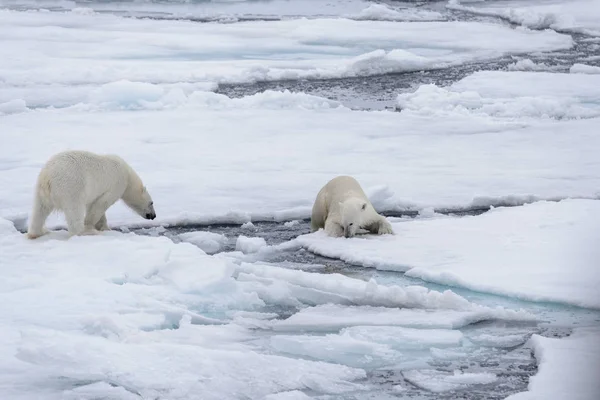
(150, 216)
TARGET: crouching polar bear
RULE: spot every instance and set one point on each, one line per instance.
(83, 186)
(342, 207)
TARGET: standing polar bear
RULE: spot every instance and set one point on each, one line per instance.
(342, 207)
(83, 186)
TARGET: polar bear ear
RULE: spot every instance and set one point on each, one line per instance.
(364, 206)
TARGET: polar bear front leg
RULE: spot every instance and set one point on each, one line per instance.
(333, 229)
(95, 217)
(102, 225)
(380, 227)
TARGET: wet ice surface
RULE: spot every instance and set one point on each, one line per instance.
(482, 360)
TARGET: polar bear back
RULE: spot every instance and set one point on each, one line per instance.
(81, 173)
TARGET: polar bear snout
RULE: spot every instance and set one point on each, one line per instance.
(150, 215)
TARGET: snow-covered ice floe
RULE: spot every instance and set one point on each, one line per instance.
(57, 59)
(580, 16)
(568, 368)
(214, 159)
(543, 251)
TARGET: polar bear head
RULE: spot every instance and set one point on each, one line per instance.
(352, 213)
(139, 200)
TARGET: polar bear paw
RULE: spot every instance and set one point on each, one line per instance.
(385, 228)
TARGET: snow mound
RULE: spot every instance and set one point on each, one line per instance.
(382, 12)
(209, 242)
(127, 95)
(13, 106)
(551, 252)
(510, 95)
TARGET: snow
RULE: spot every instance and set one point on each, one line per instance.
(550, 257)
(579, 16)
(57, 51)
(568, 367)
(439, 382)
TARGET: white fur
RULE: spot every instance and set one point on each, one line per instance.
(342, 207)
(83, 186)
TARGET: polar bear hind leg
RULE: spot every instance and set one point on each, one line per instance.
(74, 212)
(40, 212)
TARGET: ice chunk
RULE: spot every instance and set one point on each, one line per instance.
(498, 340)
(249, 244)
(291, 224)
(314, 288)
(248, 226)
(339, 349)
(291, 395)
(331, 317)
(208, 241)
(439, 381)
(405, 338)
(528, 65)
(382, 12)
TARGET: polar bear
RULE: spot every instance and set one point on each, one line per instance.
(83, 186)
(342, 207)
